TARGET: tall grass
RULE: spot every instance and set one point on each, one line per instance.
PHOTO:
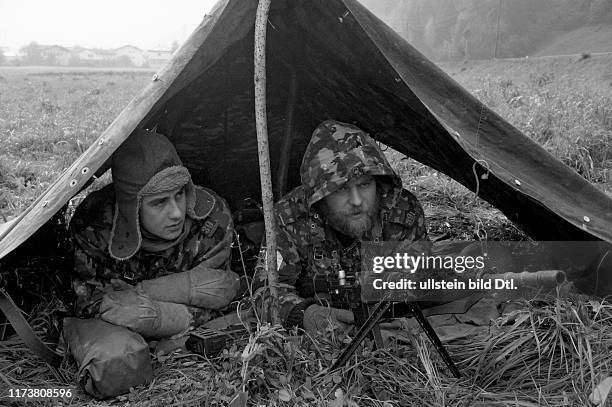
(548, 352)
(563, 104)
(47, 120)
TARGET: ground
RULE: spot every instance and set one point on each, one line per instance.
(552, 352)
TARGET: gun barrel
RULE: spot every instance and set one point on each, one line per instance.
(542, 278)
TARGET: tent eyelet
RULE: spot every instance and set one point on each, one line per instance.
(586, 218)
(73, 183)
(517, 182)
(85, 170)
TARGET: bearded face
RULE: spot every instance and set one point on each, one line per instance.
(351, 209)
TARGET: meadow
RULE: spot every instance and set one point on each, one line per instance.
(548, 352)
(47, 118)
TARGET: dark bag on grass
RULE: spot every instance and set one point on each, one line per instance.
(110, 358)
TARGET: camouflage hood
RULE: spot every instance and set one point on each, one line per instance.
(338, 152)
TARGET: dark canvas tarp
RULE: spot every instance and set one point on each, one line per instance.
(348, 66)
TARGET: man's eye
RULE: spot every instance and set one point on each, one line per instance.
(365, 184)
(180, 193)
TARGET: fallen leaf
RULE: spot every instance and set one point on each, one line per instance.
(284, 395)
(600, 393)
(596, 305)
(339, 401)
(337, 379)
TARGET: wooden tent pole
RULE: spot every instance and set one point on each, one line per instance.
(261, 22)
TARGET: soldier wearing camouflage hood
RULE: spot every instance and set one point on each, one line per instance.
(349, 194)
(151, 259)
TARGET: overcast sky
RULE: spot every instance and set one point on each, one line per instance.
(100, 24)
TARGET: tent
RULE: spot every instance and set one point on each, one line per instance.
(330, 59)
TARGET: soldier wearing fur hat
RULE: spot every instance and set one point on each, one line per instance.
(349, 194)
(151, 260)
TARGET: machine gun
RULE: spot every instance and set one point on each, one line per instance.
(346, 292)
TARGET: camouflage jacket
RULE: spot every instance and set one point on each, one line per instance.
(208, 243)
(307, 247)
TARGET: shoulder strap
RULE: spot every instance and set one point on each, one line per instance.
(25, 332)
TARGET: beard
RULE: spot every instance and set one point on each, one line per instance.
(347, 223)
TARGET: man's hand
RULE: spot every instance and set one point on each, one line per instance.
(319, 318)
(138, 312)
(201, 287)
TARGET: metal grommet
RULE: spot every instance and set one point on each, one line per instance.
(155, 77)
(312, 225)
(45, 203)
(85, 170)
(73, 183)
(586, 218)
(517, 182)
(101, 141)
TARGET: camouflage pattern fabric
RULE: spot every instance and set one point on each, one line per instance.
(307, 247)
(96, 272)
(338, 152)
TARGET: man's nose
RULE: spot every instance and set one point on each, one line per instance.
(175, 210)
(355, 198)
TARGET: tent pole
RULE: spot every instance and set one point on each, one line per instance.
(285, 150)
(261, 22)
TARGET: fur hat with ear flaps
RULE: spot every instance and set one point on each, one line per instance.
(146, 163)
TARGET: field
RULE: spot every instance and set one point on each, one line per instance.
(553, 352)
(47, 118)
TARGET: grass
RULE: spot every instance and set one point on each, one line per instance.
(564, 104)
(47, 118)
(549, 352)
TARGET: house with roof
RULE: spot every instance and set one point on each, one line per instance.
(136, 56)
(55, 55)
(9, 54)
(90, 55)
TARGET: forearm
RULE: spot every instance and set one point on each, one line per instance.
(202, 287)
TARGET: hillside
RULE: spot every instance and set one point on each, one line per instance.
(562, 103)
(481, 29)
(597, 38)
